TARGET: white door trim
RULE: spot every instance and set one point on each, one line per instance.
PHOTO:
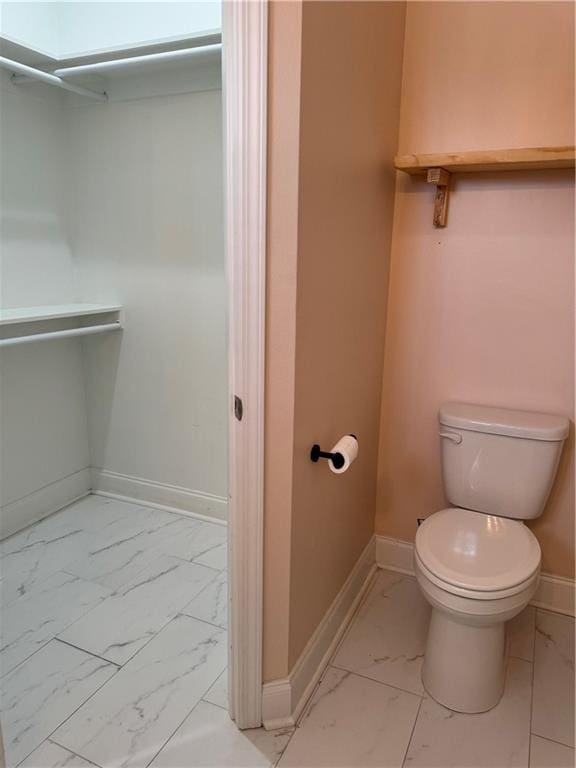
(245, 64)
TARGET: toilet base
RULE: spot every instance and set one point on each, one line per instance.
(464, 665)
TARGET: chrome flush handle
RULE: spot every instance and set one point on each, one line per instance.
(453, 436)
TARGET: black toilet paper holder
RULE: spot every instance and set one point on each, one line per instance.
(316, 453)
(337, 459)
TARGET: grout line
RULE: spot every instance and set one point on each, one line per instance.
(380, 682)
(299, 722)
(552, 741)
(533, 733)
(566, 616)
(204, 621)
(20, 663)
(51, 734)
(293, 730)
(212, 704)
(90, 653)
(71, 751)
(212, 686)
(153, 637)
(532, 687)
(412, 733)
(367, 594)
(532, 670)
(181, 723)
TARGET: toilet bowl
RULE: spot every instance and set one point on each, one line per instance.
(476, 562)
(464, 663)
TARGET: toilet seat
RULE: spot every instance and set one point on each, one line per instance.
(475, 595)
(475, 555)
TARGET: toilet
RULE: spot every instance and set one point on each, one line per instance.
(476, 562)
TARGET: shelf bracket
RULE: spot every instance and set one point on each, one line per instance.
(441, 178)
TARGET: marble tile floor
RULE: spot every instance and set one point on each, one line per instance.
(370, 708)
(114, 650)
(112, 631)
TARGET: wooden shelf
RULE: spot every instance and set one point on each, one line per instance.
(54, 312)
(438, 167)
(529, 159)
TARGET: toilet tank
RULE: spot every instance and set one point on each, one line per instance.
(499, 461)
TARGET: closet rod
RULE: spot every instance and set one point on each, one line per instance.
(134, 61)
(47, 77)
(67, 333)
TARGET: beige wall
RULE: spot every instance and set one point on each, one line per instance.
(483, 310)
(326, 331)
(285, 33)
(350, 99)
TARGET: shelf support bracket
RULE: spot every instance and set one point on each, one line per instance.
(441, 178)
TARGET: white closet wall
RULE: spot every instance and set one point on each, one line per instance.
(116, 203)
(64, 29)
(146, 206)
(43, 434)
(96, 26)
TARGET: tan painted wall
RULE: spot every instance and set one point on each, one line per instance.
(330, 197)
(350, 98)
(482, 311)
(285, 32)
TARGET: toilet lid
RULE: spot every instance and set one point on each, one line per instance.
(477, 551)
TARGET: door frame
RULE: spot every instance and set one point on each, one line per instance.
(245, 64)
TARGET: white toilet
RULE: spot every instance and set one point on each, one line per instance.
(477, 564)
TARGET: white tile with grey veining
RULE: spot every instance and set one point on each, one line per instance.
(32, 621)
(553, 698)
(209, 739)
(50, 755)
(211, 604)
(126, 546)
(44, 691)
(30, 557)
(217, 557)
(495, 739)
(550, 754)
(130, 719)
(117, 628)
(521, 630)
(218, 693)
(352, 722)
(388, 637)
(199, 541)
(93, 513)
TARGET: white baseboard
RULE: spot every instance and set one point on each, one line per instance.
(395, 555)
(160, 495)
(283, 700)
(554, 593)
(43, 502)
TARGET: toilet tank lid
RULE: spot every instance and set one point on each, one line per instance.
(504, 421)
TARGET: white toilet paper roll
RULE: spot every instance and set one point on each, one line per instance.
(348, 447)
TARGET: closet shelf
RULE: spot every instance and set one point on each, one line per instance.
(476, 161)
(438, 167)
(148, 58)
(13, 334)
(54, 312)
